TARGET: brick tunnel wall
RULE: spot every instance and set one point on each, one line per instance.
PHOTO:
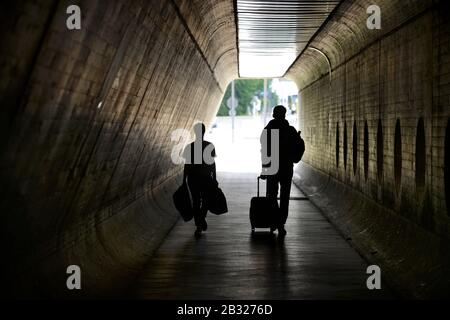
(87, 116)
(381, 121)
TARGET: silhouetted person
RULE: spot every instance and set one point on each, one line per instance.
(279, 170)
(200, 173)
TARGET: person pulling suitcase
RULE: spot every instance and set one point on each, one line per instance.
(281, 147)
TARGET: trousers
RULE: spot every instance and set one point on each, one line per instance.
(198, 189)
(281, 181)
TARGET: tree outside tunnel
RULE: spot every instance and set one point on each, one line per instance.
(246, 91)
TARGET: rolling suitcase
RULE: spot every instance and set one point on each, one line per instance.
(263, 212)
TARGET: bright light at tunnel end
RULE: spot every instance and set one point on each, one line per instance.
(264, 66)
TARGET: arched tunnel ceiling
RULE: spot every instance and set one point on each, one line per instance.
(212, 24)
(346, 33)
(273, 33)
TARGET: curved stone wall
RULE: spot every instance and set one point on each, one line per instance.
(391, 85)
(87, 117)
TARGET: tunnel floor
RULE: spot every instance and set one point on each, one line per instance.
(227, 262)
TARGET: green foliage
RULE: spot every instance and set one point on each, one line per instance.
(245, 90)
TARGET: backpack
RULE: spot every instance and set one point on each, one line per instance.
(298, 146)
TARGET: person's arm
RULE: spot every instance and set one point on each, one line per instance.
(214, 172)
(214, 175)
(185, 173)
(263, 139)
(213, 166)
(187, 165)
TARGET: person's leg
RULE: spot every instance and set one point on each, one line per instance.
(196, 205)
(272, 193)
(285, 193)
(272, 187)
(203, 210)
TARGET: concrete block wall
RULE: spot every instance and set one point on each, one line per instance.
(398, 74)
(87, 117)
(440, 133)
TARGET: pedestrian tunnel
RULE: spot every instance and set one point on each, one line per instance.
(92, 91)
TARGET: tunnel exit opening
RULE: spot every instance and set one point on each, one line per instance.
(239, 151)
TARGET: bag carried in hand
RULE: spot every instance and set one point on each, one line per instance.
(217, 203)
(182, 201)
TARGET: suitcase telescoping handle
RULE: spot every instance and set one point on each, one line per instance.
(259, 178)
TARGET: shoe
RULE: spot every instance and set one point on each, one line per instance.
(205, 226)
(198, 232)
(282, 231)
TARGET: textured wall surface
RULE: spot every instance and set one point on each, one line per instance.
(87, 117)
(382, 120)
